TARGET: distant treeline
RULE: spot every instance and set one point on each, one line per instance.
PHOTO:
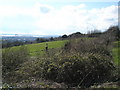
(113, 33)
(7, 44)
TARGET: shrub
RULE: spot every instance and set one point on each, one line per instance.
(64, 36)
(85, 70)
(88, 46)
(91, 63)
(11, 61)
(39, 40)
(84, 63)
(81, 70)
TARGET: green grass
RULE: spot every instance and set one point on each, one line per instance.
(35, 49)
(116, 52)
(39, 48)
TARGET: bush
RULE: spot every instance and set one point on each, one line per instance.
(83, 63)
(75, 70)
(83, 46)
(83, 70)
(64, 36)
(80, 63)
(39, 40)
(12, 60)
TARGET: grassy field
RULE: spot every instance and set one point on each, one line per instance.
(116, 52)
(38, 48)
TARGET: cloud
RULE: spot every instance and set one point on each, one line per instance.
(38, 32)
(46, 19)
(78, 18)
(44, 9)
(104, 17)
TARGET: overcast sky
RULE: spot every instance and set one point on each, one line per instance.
(56, 17)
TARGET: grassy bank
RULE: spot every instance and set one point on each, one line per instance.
(116, 52)
(39, 48)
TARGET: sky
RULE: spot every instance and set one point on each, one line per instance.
(56, 17)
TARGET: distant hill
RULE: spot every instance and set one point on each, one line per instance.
(111, 33)
(77, 34)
